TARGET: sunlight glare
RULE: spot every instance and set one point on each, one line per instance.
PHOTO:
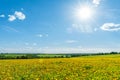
(84, 13)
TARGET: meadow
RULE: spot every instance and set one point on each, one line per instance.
(100, 67)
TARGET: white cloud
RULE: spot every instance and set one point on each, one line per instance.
(22, 9)
(95, 29)
(34, 44)
(30, 44)
(110, 27)
(71, 41)
(42, 35)
(26, 43)
(19, 15)
(11, 17)
(39, 35)
(96, 2)
(46, 35)
(2, 16)
(80, 28)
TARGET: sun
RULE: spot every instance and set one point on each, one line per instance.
(84, 12)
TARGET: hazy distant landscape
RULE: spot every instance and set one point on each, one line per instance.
(49, 55)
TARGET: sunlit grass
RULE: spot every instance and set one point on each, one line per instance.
(105, 67)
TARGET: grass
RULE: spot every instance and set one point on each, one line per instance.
(105, 67)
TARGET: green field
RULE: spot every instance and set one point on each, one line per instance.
(103, 67)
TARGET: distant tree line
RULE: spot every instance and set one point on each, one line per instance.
(32, 56)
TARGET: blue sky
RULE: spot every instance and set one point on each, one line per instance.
(57, 26)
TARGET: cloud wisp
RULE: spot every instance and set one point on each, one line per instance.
(71, 41)
(30, 44)
(42, 35)
(39, 35)
(2, 16)
(96, 2)
(110, 27)
(56, 50)
(10, 29)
